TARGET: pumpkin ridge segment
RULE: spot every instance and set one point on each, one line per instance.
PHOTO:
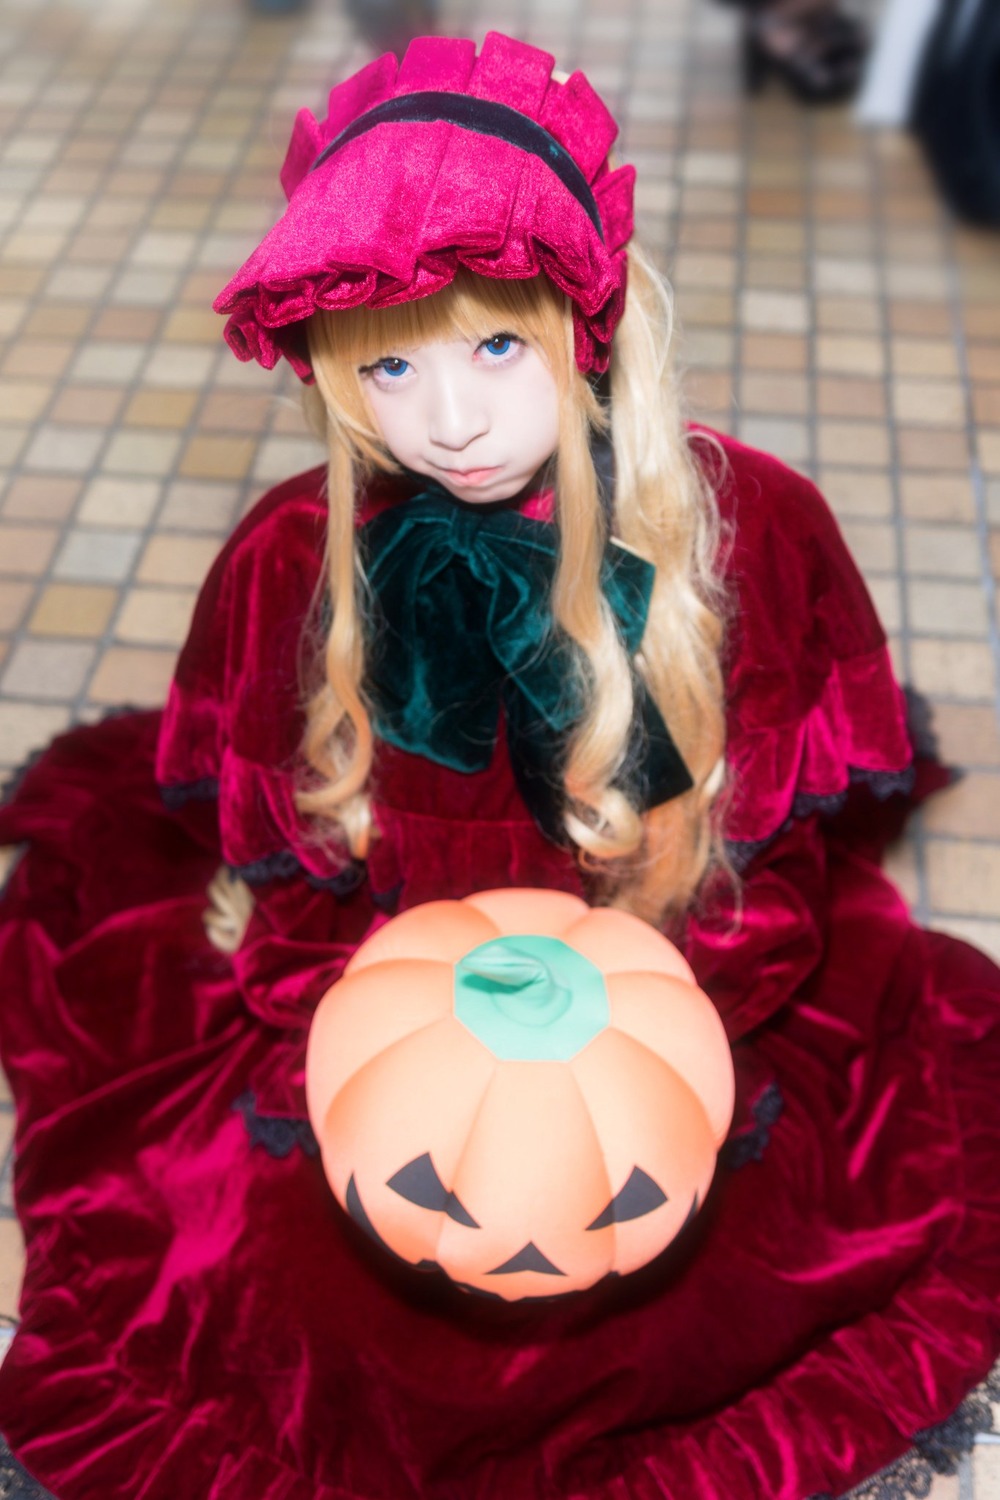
(455, 1174)
(612, 1258)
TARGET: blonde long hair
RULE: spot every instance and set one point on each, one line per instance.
(663, 508)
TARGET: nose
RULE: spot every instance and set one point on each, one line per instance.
(456, 413)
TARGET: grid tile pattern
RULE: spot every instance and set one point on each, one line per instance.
(829, 311)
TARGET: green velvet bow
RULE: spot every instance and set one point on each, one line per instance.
(462, 623)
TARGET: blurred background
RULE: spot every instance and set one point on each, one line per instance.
(831, 308)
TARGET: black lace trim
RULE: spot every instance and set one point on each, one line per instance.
(283, 865)
(751, 1142)
(278, 1134)
(15, 1481)
(179, 795)
(936, 1450)
(881, 784)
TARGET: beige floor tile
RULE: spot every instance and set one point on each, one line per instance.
(984, 362)
(780, 273)
(951, 551)
(953, 669)
(23, 400)
(93, 404)
(774, 393)
(25, 727)
(849, 355)
(774, 312)
(63, 450)
(887, 599)
(857, 493)
(963, 877)
(155, 617)
(47, 670)
(96, 556)
(850, 396)
(967, 735)
(115, 502)
(189, 325)
(217, 458)
(920, 319)
(160, 408)
(968, 809)
(986, 405)
(986, 1472)
(931, 403)
(25, 551)
(708, 348)
(708, 390)
(946, 497)
(941, 448)
(770, 351)
(230, 411)
(279, 457)
(14, 600)
(775, 236)
(182, 366)
(707, 309)
(872, 544)
(30, 357)
(947, 608)
(13, 441)
(786, 438)
(73, 609)
(144, 451)
(106, 360)
(176, 560)
(944, 1487)
(924, 358)
(116, 324)
(865, 443)
(848, 315)
(134, 675)
(11, 1266)
(988, 447)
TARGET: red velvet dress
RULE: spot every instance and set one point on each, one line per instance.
(200, 1320)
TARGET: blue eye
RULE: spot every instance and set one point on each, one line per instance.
(499, 345)
(393, 367)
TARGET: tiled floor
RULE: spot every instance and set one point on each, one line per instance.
(830, 312)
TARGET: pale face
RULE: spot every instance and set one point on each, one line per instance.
(480, 418)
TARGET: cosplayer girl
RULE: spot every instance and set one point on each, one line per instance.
(525, 630)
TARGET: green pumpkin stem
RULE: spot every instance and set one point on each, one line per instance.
(520, 985)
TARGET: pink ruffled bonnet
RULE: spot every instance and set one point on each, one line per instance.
(442, 160)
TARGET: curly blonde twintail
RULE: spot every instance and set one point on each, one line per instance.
(664, 509)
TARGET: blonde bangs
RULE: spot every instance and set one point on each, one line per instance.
(341, 343)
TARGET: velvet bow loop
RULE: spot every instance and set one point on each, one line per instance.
(462, 617)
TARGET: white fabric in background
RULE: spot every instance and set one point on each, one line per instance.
(892, 68)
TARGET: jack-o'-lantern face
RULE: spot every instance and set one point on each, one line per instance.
(528, 1144)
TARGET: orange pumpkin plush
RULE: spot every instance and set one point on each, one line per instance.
(521, 1090)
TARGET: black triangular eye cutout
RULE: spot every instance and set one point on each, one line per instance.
(419, 1183)
(528, 1259)
(639, 1196)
